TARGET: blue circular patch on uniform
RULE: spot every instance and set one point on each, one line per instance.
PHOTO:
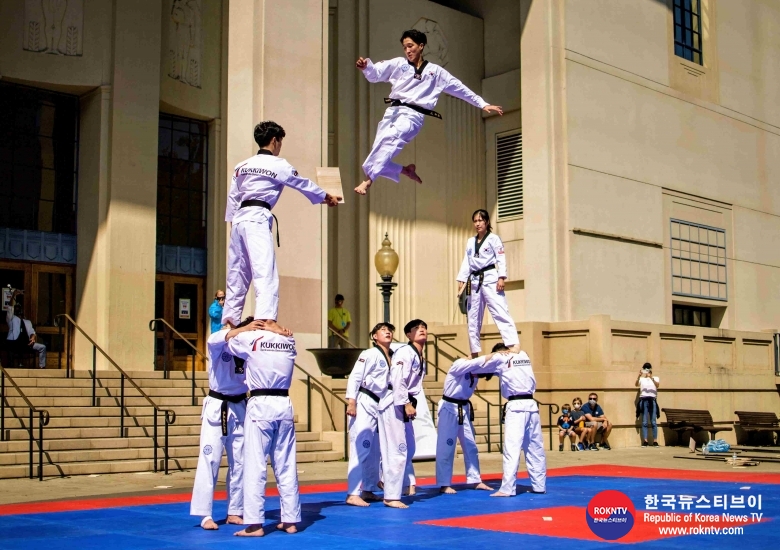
(207, 450)
(226, 357)
(382, 364)
(450, 442)
(366, 443)
(402, 447)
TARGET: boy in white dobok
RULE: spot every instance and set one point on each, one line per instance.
(366, 387)
(222, 427)
(522, 428)
(398, 410)
(416, 87)
(455, 422)
(269, 429)
(257, 184)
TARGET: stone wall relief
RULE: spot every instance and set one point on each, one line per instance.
(436, 50)
(54, 26)
(185, 40)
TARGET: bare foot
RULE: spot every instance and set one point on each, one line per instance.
(409, 172)
(209, 524)
(395, 504)
(447, 490)
(251, 531)
(482, 487)
(289, 528)
(273, 326)
(235, 520)
(500, 494)
(368, 496)
(410, 491)
(362, 189)
(354, 500)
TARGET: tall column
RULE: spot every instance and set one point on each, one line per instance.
(117, 273)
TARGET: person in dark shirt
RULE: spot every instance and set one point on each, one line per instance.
(597, 421)
(566, 428)
(578, 418)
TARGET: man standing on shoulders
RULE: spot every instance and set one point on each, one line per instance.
(339, 321)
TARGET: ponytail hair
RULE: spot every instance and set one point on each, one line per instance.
(484, 215)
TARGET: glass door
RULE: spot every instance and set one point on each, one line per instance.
(179, 300)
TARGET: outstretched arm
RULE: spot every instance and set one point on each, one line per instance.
(456, 88)
(375, 72)
(309, 189)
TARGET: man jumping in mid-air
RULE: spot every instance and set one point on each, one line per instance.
(416, 87)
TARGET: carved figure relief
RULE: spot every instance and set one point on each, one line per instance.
(185, 42)
(54, 26)
(436, 51)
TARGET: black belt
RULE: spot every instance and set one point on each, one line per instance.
(224, 409)
(461, 403)
(413, 401)
(253, 202)
(518, 397)
(481, 274)
(369, 393)
(278, 393)
(421, 110)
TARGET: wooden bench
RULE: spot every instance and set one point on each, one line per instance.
(753, 422)
(683, 420)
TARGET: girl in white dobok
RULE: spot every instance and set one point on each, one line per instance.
(482, 275)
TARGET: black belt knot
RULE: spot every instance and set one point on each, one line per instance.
(421, 110)
(253, 202)
(369, 393)
(481, 274)
(223, 415)
(461, 403)
(276, 392)
(518, 397)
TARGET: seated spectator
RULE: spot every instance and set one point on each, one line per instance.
(566, 428)
(21, 335)
(647, 406)
(596, 420)
(578, 418)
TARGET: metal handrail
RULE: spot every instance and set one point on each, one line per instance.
(153, 327)
(340, 336)
(43, 420)
(170, 415)
(309, 380)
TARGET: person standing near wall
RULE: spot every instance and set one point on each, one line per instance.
(482, 276)
(215, 311)
(647, 406)
(339, 321)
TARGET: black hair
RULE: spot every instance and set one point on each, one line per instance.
(339, 297)
(413, 324)
(266, 131)
(499, 347)
(484, 215)
(647, 366)
(379, 326)
(245, 322)
(418, 37)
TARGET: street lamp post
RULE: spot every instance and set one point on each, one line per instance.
(386, 262)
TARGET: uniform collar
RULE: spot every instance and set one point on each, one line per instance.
(478, 244)
(264, 152)
(387, 355)
(421, 68)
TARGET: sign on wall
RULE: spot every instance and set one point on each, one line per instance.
(185, 41)
(54, 26)
(184, 308)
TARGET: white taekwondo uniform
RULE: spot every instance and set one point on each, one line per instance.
(222, 427)
(481, 268)
(421, 87)
(455, 421)
(396, 435)
(251, 256)
(367, 385)
(269, 427)
(522, 429)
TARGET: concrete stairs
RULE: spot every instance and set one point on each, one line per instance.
(82, 439)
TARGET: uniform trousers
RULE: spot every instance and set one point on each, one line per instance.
(251, 257)
(448, 432)
(397, 447)
(363, 469)
(499, 310)
(523, 430)
(212, 442)
(397, 128)
(274, 438)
